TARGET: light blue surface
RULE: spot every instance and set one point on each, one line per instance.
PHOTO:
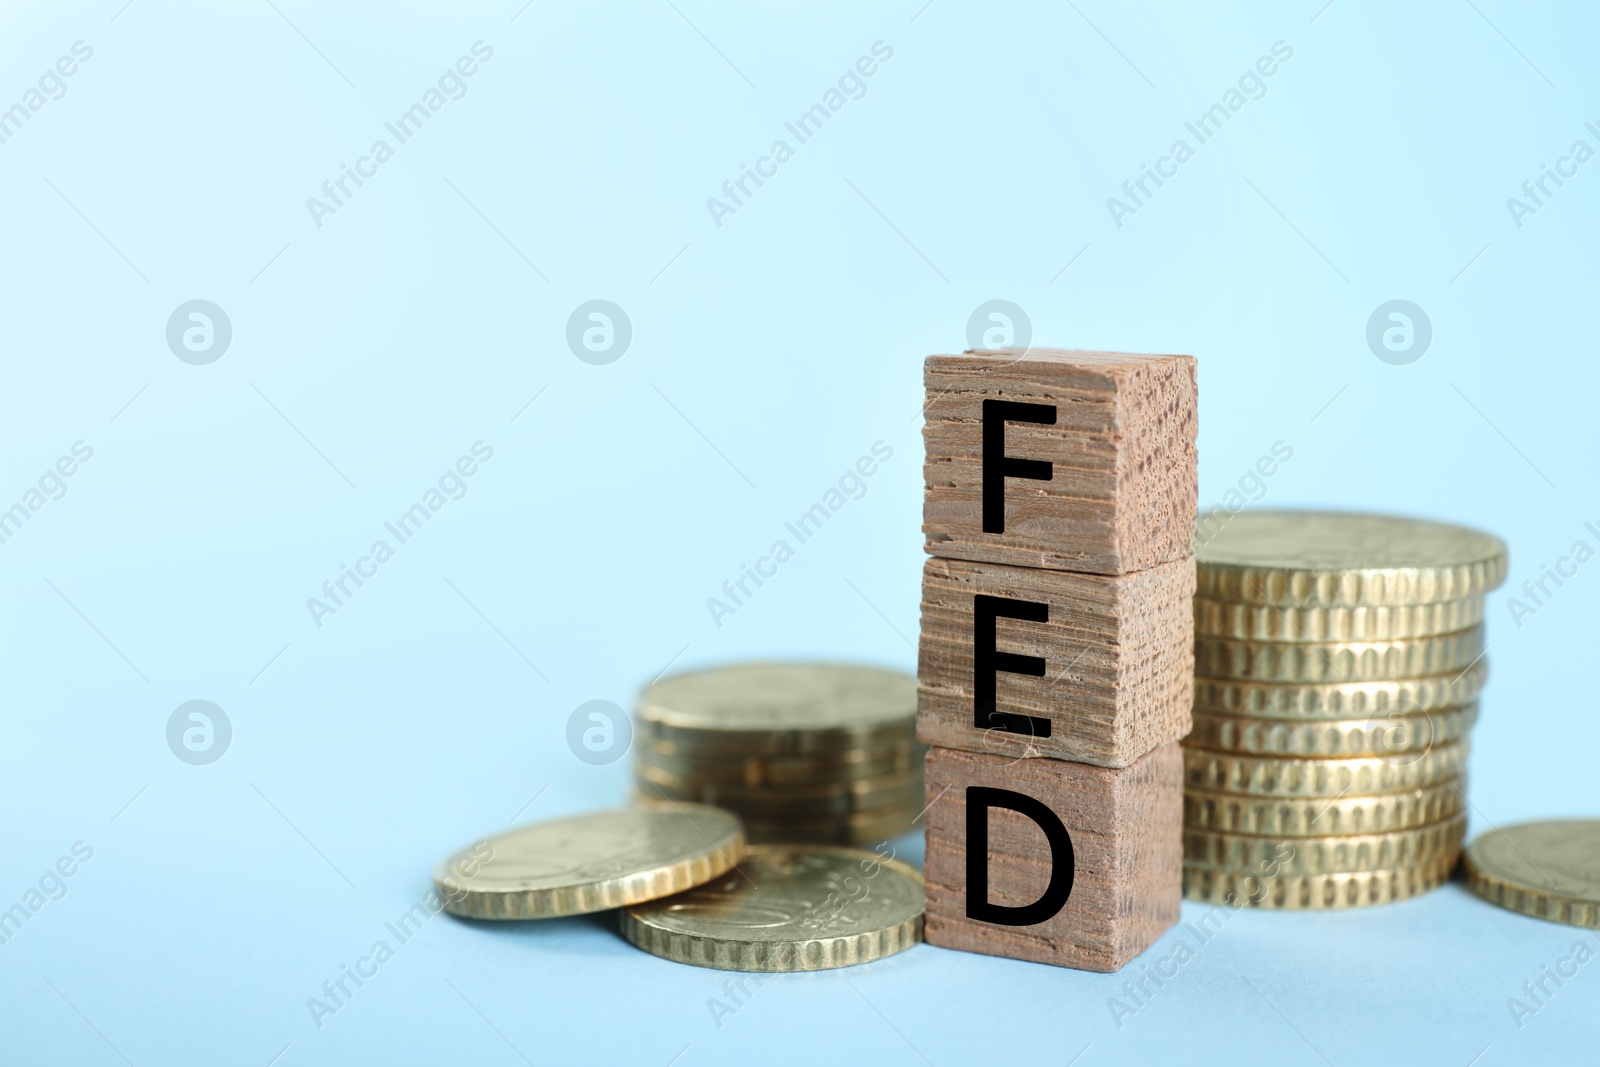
(767, 355)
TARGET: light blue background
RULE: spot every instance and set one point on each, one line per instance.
(767, 355)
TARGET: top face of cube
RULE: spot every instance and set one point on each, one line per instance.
(1081, 461)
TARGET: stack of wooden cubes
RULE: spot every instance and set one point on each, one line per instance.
(1056, 667)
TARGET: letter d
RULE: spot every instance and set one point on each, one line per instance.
(1062, 865)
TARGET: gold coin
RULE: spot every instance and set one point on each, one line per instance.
(1549, 870)
(1268, 622)
(863, 829)
(787, 908)
(590, 862)
(1340, 700)
(727, 768)
(1333, 559)
(1347, 661)
(1312, 892)
(740, 744)
(1277, 776)
(1331, 737)
(778, 708)
(711, 746)
(853, 828)
(1323, 855)
(800, 802)
(1318, 816)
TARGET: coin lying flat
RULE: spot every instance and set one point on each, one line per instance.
(1277, 776)
(1352, 661)
(1315, 892)
(1549, 870)
(1323, 855)
(1331, 737)
(1269, 622)
(1317, 816)
(787, 908)
(1332, 559)
(781, 707)
(1340, 700)
(590, 862)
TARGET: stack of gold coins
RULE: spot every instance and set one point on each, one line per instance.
(801, 752)
(1338, 661)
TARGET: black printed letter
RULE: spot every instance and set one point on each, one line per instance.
(997, 466)
(1062, 865)
(986, 661)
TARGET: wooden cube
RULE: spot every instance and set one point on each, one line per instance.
(1050, 861)
(1080, 461)
(1021, 661)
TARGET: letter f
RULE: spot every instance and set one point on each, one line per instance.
(997, 466)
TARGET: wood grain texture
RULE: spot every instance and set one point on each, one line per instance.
(1124, 486)
(1118, 660)
(1126, 835)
